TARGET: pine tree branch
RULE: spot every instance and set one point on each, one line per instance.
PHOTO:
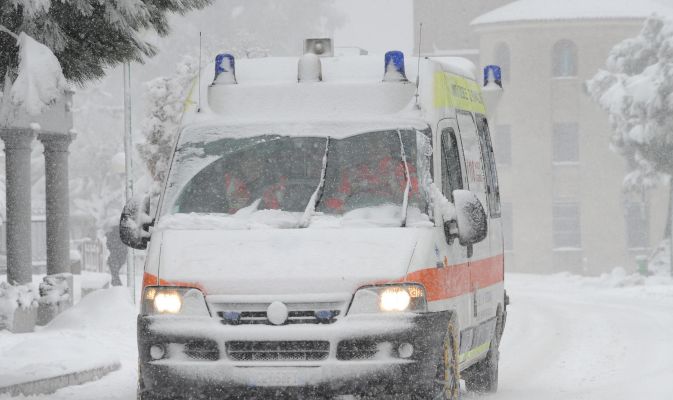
(7, 31)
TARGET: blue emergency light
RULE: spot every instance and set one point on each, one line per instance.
(324, 316)
(225, 68)
(495, 72)
(394, 67)
(231, 317)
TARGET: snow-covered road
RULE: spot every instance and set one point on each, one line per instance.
(566, 338)
(572, 338)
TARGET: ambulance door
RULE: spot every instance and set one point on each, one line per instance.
(452, 257)
(491, 278)
(479, 254)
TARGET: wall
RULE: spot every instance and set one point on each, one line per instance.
(532, 103)
(446, 24)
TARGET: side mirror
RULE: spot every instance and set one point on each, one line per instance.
(135, 223)
(471, 223)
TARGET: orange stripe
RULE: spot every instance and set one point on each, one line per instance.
(153, 280)
(454, 280)
(440, 283)
(488, 271)
(149, 280)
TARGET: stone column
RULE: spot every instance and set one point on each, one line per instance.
(17, 171)
(58, 200)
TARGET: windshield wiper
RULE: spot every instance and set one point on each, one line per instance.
(313, 201)
(405, 203)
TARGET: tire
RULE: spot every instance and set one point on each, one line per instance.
(446, 383)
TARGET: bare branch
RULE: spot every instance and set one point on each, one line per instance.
(7, 31)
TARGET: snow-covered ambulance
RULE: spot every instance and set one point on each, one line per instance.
(329, 225)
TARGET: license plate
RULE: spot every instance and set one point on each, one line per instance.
(274, 377)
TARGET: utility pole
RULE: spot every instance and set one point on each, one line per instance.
(670, 215)
(128, 155)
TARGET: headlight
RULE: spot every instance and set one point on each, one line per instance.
(174, 300)
(395, 299)
(389, 298)
(168, 302)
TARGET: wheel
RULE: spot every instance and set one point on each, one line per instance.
(483, 376)
(446, 383)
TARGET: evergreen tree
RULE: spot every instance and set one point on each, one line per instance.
(87, 35)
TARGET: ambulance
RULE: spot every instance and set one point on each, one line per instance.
(329, 225)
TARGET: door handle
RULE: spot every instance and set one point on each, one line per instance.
(476, 304)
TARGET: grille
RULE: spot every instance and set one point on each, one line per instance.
(250, 314)
(278, 351)
(202, 350)
(293, 317)
(356, 350)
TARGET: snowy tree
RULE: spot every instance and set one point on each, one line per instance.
(39, 79)
(252, 28)
(165, 97)
(87, 36)
(96, 188)
(44, 43)
(636, 90)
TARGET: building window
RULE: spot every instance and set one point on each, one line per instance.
(566, 225)
(503, 60)
(637, 225)
(564, 59)
(507, 226)
(503, 144)
(566, 143)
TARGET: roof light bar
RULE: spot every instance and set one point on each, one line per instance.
(394, 67)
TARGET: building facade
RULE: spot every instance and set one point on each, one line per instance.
(564, 208)
(446, 24)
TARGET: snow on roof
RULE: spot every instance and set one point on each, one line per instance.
(310, 100)
(544, 10)
(209, 130)
(269, 86)
(364, 68)
(352, 92)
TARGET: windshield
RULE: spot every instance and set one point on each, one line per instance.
(308, 175)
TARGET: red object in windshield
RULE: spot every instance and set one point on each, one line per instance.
(383, 181)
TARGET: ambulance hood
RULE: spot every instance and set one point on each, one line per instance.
(285, 261)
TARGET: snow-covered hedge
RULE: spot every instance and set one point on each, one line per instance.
(659, 263)
(55, 289)
(11, 298)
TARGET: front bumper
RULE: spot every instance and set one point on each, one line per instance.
(353, 355)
